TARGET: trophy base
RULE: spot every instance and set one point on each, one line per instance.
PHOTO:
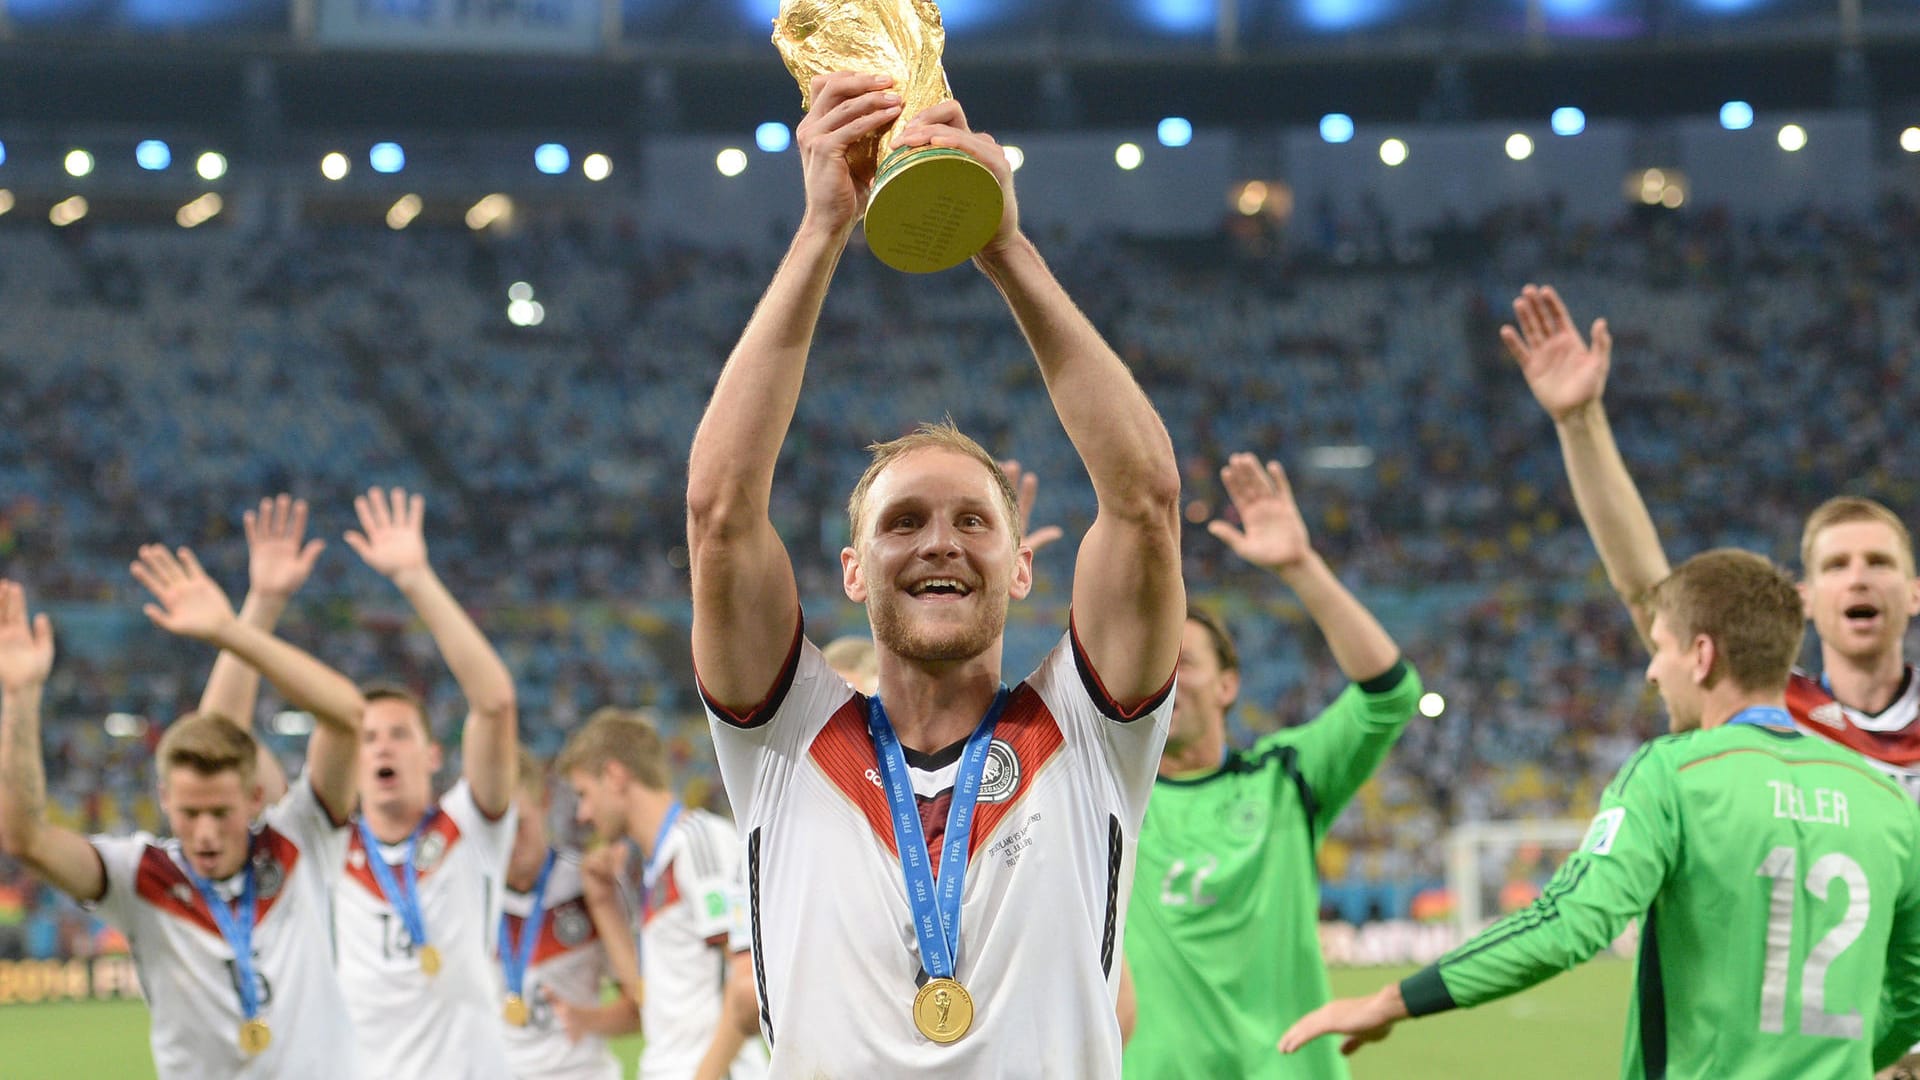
(932, 208)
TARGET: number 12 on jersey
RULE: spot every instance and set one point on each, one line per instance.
(1782, 866)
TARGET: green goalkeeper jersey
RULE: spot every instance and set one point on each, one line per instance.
(1223, 927)
(1777, 879)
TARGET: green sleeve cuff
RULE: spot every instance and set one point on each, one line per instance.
(1386, 680)
(1425, 992)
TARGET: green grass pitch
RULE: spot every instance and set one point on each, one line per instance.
(1569, 1028)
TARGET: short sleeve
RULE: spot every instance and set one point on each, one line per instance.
(759, 750)
(1122, 745)
(301, 817)
(494, 835)
(120, 856)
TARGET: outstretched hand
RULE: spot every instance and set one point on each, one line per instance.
(1563, 371)
(277, 562)
(1272, 534)
(1363, 1020)
(1026, 487)
(191, 604)
(392, 537)
(26, 645)
(945, 125)
(847, 108)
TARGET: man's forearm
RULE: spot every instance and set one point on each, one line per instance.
(23, 780)
(1615, 514)
(233, 687)
(476, 667)
(1360, 645)
(306, 682)
(1112, 425)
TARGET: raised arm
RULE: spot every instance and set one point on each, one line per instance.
(278, 563)
(1568, 377)
(745, 602)
(1128, 599)
(393, 540)
(62, 857)
(190, 604)
(1273, 536)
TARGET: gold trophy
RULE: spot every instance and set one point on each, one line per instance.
(930, 207)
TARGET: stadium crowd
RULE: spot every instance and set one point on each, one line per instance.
(154, 383)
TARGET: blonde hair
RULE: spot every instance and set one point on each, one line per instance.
(852, 655)
(1844, 510)
(1749, 608)
(612, 734)
(209, 745)
(927, 436)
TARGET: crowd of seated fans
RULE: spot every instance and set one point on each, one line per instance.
(154, 383)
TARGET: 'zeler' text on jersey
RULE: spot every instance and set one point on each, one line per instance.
(836, 956)
(686, 908)
(570, 962)
(187, 969)
(1889, 738)
(408, 1023)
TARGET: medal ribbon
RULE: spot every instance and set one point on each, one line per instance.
(647, 864)
(1763, 715)
(236, 926)
(936, 912)
(403, 894)
(515, 959)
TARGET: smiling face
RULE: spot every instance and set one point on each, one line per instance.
(1860, 590)
(937, 561)
(600, 799)
(397, 760)
(212, 816)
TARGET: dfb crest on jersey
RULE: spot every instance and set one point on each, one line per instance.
(1002, 773)
(433, 848)
(1247, 818)
(268, 875)
(571, 925)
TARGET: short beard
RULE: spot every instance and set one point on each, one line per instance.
(892, 631)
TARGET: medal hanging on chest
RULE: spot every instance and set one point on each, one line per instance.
(403, 891)
(942, 1009)
(517, 956)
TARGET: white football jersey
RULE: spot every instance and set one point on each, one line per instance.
(408, 1024)
(686, 910)
(1051, 866)
(568, 959)
(1890, 738)
(186, 968)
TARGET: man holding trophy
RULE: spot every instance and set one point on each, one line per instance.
(913, 910)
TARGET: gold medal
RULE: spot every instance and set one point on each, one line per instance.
(515, 1010)
(943, 1010)
(255, 1036)
(429, 960)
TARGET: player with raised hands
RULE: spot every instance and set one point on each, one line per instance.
(1858, 582)
(1227, 854)
(419, 907)
(1775, 877)
(229, 919)
(279, 561)
(1004, 961)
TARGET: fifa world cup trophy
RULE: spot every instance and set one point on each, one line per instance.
(930, 207)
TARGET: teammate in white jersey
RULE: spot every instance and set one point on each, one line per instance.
(419, 905)
(861, 974)
(617, 767)
(1856, 555)
(554, 952)
(229, 918)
